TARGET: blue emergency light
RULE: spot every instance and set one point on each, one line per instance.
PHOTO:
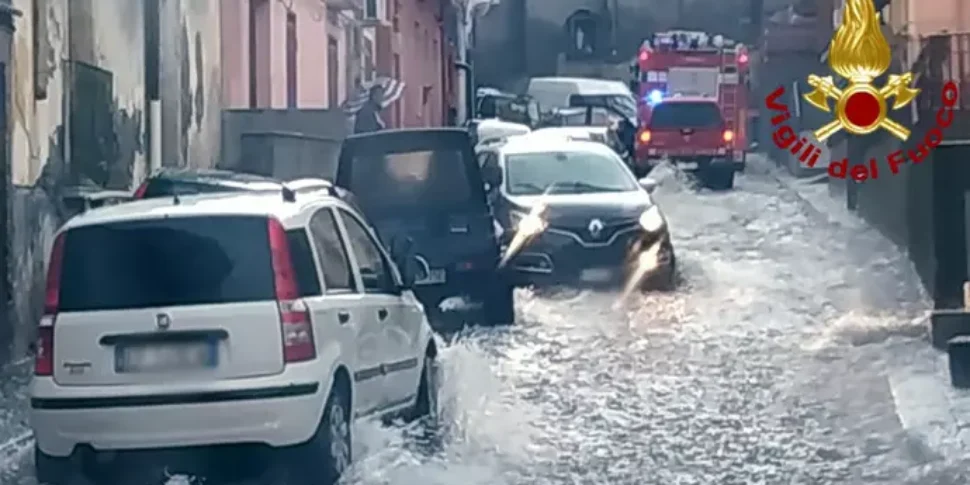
(655, 97)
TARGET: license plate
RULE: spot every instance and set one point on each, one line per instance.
(434, 277)
(687, 165)
(166, 357)
(596, 275)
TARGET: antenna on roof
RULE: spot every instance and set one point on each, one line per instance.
(288, 194)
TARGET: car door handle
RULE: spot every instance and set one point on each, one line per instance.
(343, 317)
(382, 313)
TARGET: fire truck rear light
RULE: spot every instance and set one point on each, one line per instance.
(645, 136)
(728, 135)
(644, 55)
(743, 59)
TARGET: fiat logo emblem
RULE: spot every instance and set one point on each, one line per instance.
(163, 321)
(595, 227)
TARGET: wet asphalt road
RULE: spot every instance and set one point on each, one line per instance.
(768, 366)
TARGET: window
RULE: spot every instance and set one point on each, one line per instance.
(167, 262)
(415, 180)
(291, 60)
(333, 73)
(566, 173)
(686, 115)
(332, 253)
(303, 265)
(370, 9)
(374, 269)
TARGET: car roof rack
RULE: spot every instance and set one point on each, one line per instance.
(289, 195)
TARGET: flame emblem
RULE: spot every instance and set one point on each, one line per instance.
(860, 53)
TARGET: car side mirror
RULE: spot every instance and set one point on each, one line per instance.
(402, 248)
(648, 184)
(491, 175)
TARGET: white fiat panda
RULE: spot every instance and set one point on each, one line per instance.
(179, 328)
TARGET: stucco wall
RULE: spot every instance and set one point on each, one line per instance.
(190, 82)
(421, 64)
(78, 116)
(312, 31)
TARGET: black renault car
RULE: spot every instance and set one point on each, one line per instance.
(573, 213)
(425, 185)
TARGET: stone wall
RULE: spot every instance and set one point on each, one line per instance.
(78, 116)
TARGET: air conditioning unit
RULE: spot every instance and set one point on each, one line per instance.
(375, 13)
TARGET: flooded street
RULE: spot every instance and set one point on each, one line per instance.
(771, 364)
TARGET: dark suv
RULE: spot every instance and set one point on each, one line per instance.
(426, 185)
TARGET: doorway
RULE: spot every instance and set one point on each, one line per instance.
(951, 197)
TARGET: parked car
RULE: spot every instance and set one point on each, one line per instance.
(169, 182)
(573, 213)
(84, 198)
(425, 184)
(598, 134)
(490, 130)
(257, 323)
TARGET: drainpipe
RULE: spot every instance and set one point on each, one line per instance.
(469, 88)
(8, 316)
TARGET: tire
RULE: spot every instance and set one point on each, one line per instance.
(720, 178)
(498, 304)
(664, 281)
(53, 470)
(327, 455)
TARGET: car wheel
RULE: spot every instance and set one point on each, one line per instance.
(426, 407)
(53, 470)
(499, 304)
(327, 455)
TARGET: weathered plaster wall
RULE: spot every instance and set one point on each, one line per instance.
(108, 35)
(311, 30)
(190, 85)
(38, 151)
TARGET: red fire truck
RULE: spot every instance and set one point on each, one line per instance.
(681, 77)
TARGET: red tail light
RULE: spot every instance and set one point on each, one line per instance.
(44, 360)
(645, 137)
(644, 55)
(140, 191)
(728, 136)
(297, 328)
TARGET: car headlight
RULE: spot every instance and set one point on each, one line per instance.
(652, 220)
(528, 224)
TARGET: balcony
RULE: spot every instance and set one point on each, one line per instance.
(344, 5)
(942, 58)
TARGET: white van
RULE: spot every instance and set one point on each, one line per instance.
(554, 92)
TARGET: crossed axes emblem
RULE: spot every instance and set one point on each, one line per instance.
(825, 89)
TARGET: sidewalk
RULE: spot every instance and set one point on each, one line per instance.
(927, 406)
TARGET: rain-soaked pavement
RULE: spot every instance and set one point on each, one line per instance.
(771, 365)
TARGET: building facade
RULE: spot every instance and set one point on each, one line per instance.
(923, 208)
(316, 53)
(85, 76)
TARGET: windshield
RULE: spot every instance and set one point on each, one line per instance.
(166, 262)
(566, 173)
(686, 115)
(411, 181)
(625, 104)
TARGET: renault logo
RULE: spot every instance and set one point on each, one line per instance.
(163, 321)
(595, 227)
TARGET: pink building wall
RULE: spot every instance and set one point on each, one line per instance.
(270, 57)
(418, 48)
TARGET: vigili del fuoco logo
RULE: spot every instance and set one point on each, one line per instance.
(859, 53)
